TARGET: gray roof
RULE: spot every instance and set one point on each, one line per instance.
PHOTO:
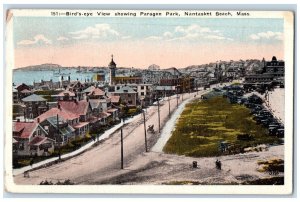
(33, 98)
(65, 131)
(125, 89)
(165, 88)
(89, 89)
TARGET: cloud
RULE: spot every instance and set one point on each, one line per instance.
(269, 35)
(154, 38)
(126, 37)
(98, 31)
(191, 33)
(40, 38)
(62, 38)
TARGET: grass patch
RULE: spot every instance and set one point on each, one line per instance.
(204, 124)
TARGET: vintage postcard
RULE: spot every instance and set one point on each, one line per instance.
(149, 101)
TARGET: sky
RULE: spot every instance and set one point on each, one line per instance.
(140, 42)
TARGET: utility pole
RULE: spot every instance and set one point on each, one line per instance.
(122, 148)
(169, 107)
(158, 115)
(145, 131)
(58, 136)
(177, 95)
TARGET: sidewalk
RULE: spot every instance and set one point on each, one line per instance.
(105, 135)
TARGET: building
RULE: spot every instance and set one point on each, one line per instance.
(272, 72)
(34, 106)
(113, 79)
(30, 139)
(58, 129)
(112, 70)
(183, 84)
(127, 95)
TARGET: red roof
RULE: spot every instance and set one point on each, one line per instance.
(97, 92)
(75, 107)
(26, 128)
(104, 115)
(115, 98)
(61, 113)
(81, 124)
(71, 94)
(37, 140)
(112, 110)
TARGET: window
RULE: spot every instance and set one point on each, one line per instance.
(142, 87)
(142, 93)
(129, 95)
(21, 147)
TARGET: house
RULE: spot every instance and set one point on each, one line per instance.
(127, 95)
(23, 90)
(96, 93)
(61, 134)
(30, 139)
(115, 100)
(80, 108)
(65, 95)
(34, 106)
(76, 87)
(73, 119)
(144, 92)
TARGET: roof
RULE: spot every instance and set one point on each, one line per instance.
(89, 89)
(38, 140)
(66, 130)
(26, 128)
(97, 91)
(165, 88)
(74, 83)
(75, 107)
(125, 89)
(33, 98)
(25, 91)
(94, 103)
(81, 124)
(55, 111)
(14, 141)
(115, 98)
(71, 94)
(112, 110)
(104, 115)
(112, 62)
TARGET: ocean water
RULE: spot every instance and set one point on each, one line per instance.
(28, 77)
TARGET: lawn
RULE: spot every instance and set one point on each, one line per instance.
(204, 124)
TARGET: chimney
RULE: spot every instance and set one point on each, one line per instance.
(38, 120)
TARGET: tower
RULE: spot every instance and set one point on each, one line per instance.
(112, 70)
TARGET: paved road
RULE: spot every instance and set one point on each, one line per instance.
(103, 161)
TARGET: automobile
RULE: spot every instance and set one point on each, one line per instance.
(245, 137)
(280, 133)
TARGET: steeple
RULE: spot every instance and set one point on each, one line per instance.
(112, 70)
(112, 63)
